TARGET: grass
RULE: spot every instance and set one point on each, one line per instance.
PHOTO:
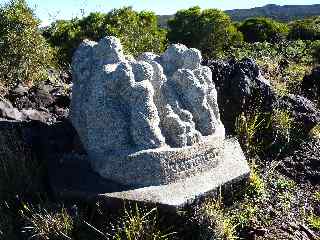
(282, 122)
(247, 128)
(315, 132)
(256, 186)
(314, 222)
(218, 224)
(139, 224)
(43, 224)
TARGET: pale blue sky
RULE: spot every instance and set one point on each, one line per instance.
(48, 10)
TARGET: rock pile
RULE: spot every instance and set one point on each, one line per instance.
(46, 103)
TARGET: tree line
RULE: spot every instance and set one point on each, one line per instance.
(27, 50)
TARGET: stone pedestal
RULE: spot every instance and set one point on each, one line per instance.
(230, 173)
(150, 126)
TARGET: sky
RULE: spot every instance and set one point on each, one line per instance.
(50, 10)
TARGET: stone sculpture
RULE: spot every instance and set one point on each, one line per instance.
(147, 121)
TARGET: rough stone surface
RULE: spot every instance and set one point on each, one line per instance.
(240, 87)
(232, 170)
(305, 112)
(145, 121)
(304, 163)
(310, 85)
(51, 99)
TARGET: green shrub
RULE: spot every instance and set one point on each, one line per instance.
(138, 32)
(315, 51)
(64, 36)
(306, 29)
(25, 55)
(263, 29)
(210, 30)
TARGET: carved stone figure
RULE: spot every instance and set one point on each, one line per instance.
(146, 121)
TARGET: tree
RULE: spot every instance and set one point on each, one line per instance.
(263, 29)
(210, 30)
(138, 32)
(25, 55)
(65, 36)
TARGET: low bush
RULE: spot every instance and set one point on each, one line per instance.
(209, 30)
(25, 55)
(263, 29)
(306, 29)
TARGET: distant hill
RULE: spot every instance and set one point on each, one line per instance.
(282, 13)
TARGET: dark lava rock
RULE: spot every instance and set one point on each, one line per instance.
(35, 98)
(304, 164)
(241, 88)
(7, 111)
(45, 98)
(310, 85)
(57, 147)
(44, 141)
(33, 141)
(305, 112)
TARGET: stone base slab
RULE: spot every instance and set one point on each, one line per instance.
(160, 166)
(231, 171)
